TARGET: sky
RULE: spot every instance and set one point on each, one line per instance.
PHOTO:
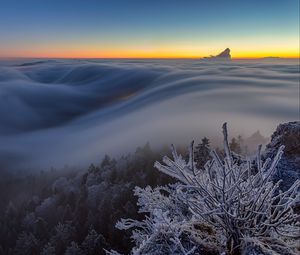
(148, 29)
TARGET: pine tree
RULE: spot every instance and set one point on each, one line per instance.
(48, 249)
(73, 249)
(64, 234)
(27, 244)
(202, 153)
(106, 161)
(40, 229)
(93, 243)
(235, 146)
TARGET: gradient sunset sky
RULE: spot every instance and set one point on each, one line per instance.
(149, 28)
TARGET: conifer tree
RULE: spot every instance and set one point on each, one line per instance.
(202, 153)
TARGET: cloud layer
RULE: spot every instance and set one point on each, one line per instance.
(57, 112)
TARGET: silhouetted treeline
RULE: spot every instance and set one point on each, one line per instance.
(76, 213)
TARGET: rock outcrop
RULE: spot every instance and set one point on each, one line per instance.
(287, 134)
(224, 55)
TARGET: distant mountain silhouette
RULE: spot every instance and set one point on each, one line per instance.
(271, 57)
(224, 55)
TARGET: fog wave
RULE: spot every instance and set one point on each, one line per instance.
(56, 112)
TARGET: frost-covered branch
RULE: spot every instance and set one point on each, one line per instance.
(230, 196)
(236, 199)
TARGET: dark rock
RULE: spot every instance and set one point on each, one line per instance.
(287, 134)
(224, 55)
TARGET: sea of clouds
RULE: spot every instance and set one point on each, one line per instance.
(57, 112)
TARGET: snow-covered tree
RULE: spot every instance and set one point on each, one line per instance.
(169, 227)
(26, 244)
(48, 249)
(64, 234)
(73, 249)
(232, 205)
(93, 243)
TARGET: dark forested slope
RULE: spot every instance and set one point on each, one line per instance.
(75, 212)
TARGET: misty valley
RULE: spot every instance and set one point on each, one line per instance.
(86, 165)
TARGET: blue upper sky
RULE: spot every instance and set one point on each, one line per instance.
(148, 28)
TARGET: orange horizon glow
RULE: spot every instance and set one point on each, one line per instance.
(146, 55)
(241, 48)
(162, 49)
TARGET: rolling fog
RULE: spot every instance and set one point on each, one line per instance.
(57, 112)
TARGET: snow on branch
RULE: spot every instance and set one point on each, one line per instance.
(235, 198)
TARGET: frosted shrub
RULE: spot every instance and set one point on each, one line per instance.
(230, 206)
